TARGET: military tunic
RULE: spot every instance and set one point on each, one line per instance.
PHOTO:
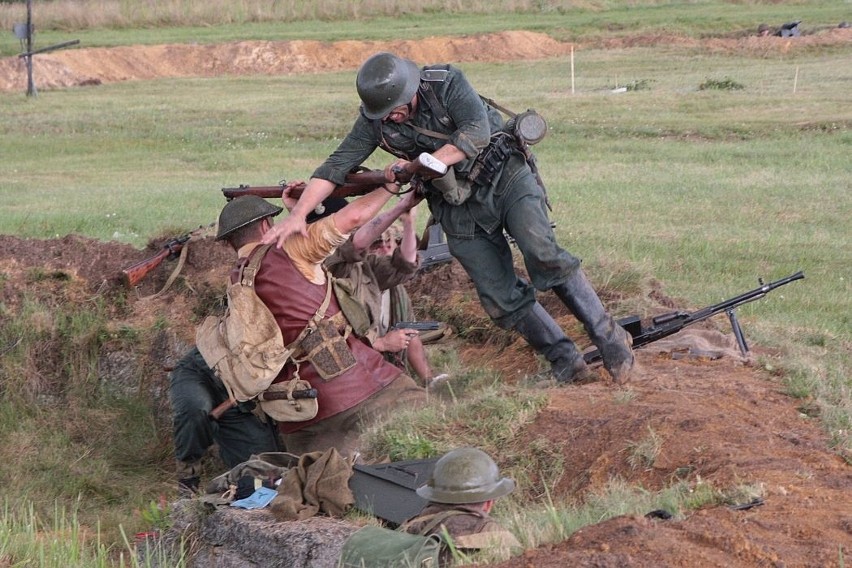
(372, 275)
(513, 200)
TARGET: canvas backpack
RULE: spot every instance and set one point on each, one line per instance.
(244, 347)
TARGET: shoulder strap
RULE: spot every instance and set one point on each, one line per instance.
(249, 269)
(504, 110)
(427, 94)
(320, 313)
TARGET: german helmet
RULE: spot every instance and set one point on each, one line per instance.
(384, 82)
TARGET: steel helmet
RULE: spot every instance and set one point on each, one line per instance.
(465, 475)
(243, 211)
(328, 207)
(386, 81)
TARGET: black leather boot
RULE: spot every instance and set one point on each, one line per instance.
(613, 342)
(547, 338)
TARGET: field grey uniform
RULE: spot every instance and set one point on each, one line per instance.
(513, 201)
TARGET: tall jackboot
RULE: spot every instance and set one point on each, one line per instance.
(546, 337)
(613, 342)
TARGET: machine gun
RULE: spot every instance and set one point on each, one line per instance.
(424, 168)
(671, 323)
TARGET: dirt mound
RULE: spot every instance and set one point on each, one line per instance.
(94, 66)
(106, 65)
(720, 421)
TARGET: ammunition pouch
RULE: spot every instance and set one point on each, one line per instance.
(289, 409)
(491, 159)
(326, 349)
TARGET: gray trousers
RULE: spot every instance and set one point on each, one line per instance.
(487, 258)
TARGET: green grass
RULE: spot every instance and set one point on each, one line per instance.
(702, 190)
(103, 23)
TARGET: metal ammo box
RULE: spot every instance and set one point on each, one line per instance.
(387, 490)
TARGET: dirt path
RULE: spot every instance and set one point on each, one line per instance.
(106, 65)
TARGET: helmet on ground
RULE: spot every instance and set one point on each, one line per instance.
(465, 475)
(242, 211)
(386, 81)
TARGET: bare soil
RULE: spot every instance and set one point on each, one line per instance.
(721, 421)
(95, 66)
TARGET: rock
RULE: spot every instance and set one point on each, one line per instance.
(238, 538)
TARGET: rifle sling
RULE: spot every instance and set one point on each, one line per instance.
(200, 233)
(181, 261)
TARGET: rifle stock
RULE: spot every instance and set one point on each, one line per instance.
(134, 274)
(671, 323)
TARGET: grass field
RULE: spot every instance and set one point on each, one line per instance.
(704, 190)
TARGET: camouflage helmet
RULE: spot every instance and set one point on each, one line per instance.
(386, 81)
(242, 211)
(465, 475)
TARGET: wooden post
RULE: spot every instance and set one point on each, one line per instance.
(572, 68)
(31, 88)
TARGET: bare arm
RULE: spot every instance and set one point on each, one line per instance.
(367, 234)
(363, 209)
(408, 246)
(449, 154)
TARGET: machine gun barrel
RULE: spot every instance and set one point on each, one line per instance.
(671, 323)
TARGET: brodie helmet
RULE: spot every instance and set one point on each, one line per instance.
(465, 475)
(384, 82)
(243, 211)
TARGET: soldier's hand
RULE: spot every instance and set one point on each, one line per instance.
(286, 194)
(395, 340)
(280, 232)
(397, 171)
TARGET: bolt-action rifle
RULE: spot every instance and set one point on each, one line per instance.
(424, 168)
(170, 250)
(671, 323)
